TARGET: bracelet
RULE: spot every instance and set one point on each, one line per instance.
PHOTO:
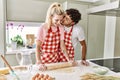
(83, 59)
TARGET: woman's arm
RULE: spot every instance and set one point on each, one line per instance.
(63, 48)
(42, 67)
(38, 52)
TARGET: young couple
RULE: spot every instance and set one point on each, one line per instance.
(58, 37)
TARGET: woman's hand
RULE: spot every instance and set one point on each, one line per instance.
(73, 62)
(42, 67)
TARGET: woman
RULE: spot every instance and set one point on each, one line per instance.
(50, 37)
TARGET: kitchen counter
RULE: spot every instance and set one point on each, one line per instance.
(22, 49)
(71, 73)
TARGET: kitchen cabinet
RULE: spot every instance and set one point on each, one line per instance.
(96, 34)
(111, 11)
(117, 38)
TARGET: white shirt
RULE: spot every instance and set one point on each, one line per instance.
(77, 34)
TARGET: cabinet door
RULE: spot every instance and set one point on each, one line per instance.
(96, 34)
(117, 38)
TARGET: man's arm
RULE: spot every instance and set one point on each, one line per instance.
(84, 50)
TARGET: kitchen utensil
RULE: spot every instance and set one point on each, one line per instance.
(12, 71)
(59, 65)
(30, 40)
(100, 70)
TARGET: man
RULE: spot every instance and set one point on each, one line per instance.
(74, 34)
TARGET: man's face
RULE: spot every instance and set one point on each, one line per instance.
(67, 21)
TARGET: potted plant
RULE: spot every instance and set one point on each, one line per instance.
(18, 39)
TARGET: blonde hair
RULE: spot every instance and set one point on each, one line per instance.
(55, 8)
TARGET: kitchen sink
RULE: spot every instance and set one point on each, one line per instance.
(112, 63)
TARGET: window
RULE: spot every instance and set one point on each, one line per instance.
(22, 29)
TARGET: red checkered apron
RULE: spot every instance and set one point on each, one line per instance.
(50, 47)
(69, 47)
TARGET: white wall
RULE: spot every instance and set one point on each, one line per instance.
(2, 29)
(27, 10)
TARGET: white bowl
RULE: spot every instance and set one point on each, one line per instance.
(100, 70)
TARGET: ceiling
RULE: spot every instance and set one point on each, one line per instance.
(90, 1)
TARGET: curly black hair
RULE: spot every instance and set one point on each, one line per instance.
(74, 14)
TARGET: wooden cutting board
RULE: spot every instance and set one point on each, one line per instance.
(6, 70)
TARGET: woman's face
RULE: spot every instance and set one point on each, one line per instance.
(57, 19)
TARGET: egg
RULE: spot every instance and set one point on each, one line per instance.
(46, 76)
(42, 75)
(35, 76)
(49, 78)
(42, 79)
(39, 76)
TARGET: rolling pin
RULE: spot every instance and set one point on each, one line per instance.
(59, 65)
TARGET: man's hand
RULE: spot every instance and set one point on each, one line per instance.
(84, 62)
